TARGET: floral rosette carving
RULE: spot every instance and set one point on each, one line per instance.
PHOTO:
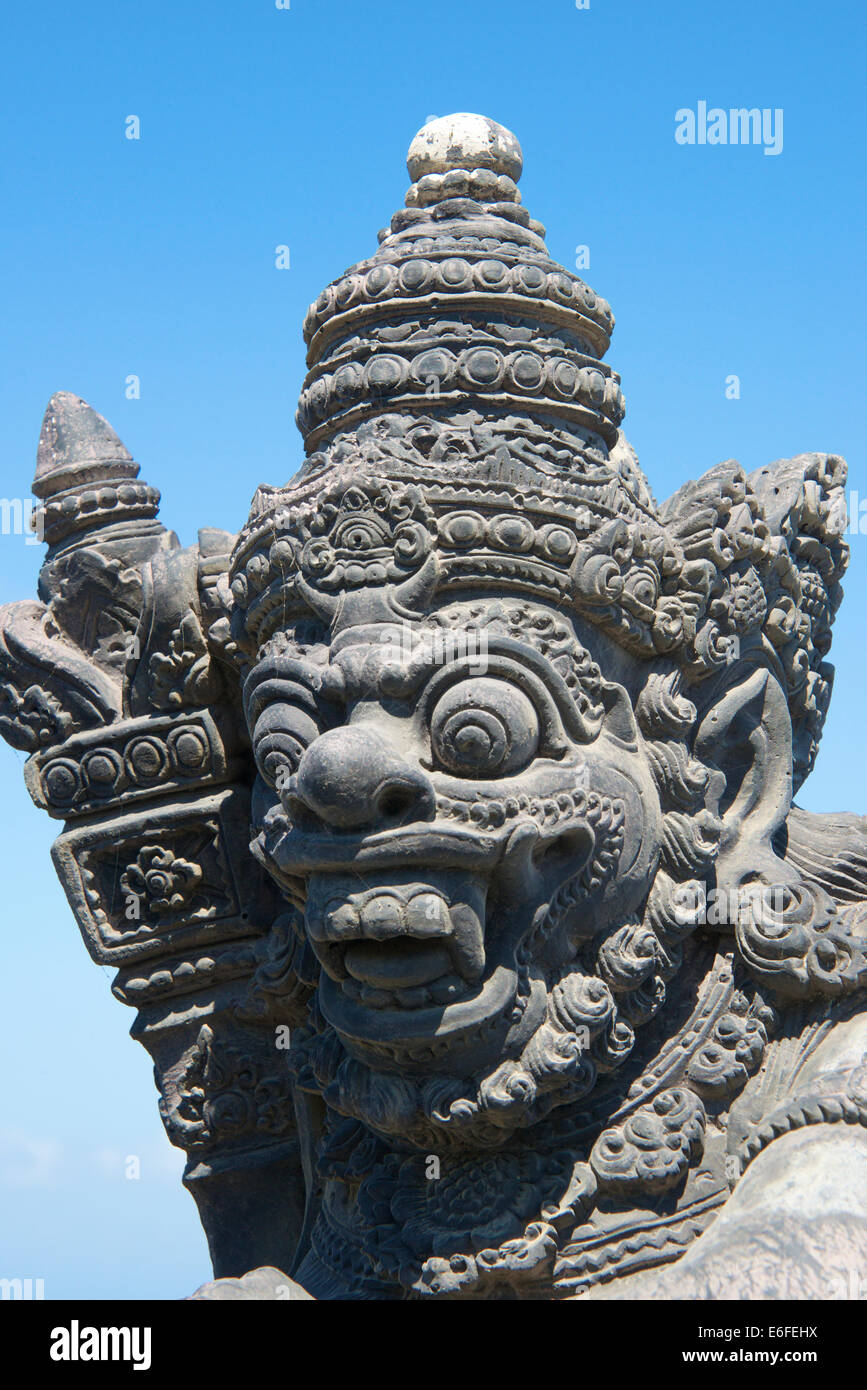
(162, 881)
(794, 939)
(653, 1148)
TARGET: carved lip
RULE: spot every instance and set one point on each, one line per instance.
(462, 1023)
(403, 986)
(300, 852)
(399, 941)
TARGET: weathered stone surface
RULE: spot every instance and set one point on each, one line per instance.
(258, 1285)
(467, 770)
(464, 141)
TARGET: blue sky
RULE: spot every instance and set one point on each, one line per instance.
(261, 127)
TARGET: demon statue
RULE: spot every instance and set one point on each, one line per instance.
(440, 824)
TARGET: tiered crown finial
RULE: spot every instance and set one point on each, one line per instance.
(464, 433)
(464, 141)
(462, 307)
(77, 445)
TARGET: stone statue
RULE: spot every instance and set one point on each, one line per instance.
(439, 825)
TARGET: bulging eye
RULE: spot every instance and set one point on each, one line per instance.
(484, 728)
(281, 734)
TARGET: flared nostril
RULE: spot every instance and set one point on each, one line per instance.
(394, 804)
(352, 778)
(403, 801)
(298, 810)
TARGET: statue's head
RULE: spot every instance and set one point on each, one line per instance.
(511, 719)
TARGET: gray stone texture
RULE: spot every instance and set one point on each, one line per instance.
(439, 825)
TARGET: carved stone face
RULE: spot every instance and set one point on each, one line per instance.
(462, 805)
(495, 817)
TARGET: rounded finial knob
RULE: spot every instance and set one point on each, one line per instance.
(464, 141)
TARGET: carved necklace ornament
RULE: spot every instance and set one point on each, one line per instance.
(439, 825)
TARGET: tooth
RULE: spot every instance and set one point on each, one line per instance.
(376, 998)
(414, 997)
(467, 942)
(336, 919)
(341, 921)
(381, 918)
(427, 915)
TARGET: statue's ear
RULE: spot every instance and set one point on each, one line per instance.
(619, 716)
(745, 740)
(793, 939)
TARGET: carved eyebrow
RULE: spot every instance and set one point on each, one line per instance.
(290, 679)
(407, 673)
(514, 659)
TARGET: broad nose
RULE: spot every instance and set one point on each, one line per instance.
(352, 777)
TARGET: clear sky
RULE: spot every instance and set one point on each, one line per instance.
(260, 127)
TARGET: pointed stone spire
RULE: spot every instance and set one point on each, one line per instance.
(77, 446)
(86, 478)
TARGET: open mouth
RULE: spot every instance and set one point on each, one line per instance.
(421, 930)
(414, 969)
(401, 943)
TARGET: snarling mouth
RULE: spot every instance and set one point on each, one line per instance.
(413, 970)
(401, 943)
(422, 931)
(414, 967)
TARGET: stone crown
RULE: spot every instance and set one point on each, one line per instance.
(462, 429)
(460, 305)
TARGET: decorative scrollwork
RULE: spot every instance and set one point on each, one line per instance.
(797, 940)
(653, 1148)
